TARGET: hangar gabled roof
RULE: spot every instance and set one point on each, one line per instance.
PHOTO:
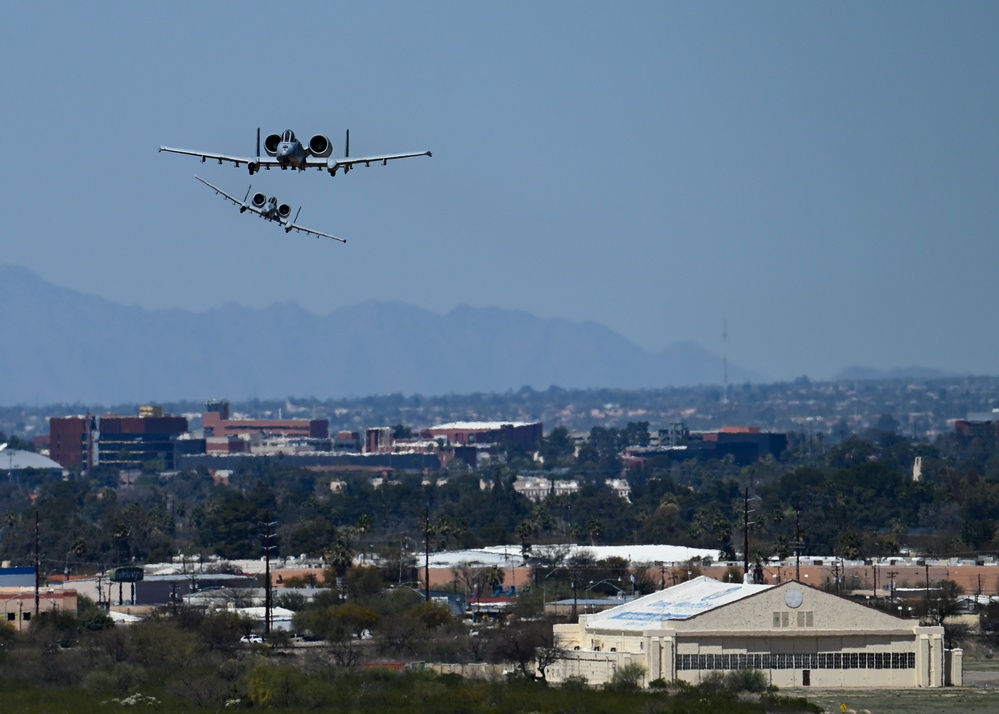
(680, 602)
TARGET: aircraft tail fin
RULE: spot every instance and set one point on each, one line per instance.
(346, 146)
(294, 223)
(258, 145)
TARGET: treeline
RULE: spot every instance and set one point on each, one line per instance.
(856, 499)
(193, 661)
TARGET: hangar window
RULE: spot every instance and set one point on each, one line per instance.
(802, 661)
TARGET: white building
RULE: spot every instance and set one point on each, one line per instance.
(797, 635)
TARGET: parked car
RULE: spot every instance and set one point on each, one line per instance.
(252, 640)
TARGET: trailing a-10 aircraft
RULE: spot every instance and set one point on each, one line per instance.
(285, 151)
(270, 209)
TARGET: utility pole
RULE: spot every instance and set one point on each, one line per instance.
(426, 555)
(797, 545)
(745, 536)
(38, 576)
(891, 585)
(267, 573)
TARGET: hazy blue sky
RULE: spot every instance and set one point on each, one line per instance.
(825, 177)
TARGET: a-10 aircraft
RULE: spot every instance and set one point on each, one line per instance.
(284, 151)
(270, 209)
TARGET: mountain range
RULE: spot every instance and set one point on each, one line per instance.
(62, 346)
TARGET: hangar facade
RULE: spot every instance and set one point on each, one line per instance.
(796, 635)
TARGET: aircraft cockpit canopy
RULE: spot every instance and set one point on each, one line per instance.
(289, 135)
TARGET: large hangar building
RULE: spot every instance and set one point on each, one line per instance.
(797, 635)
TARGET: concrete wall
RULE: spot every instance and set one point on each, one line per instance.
(595, 667)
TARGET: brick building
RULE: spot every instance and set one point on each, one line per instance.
(218, 424)
(82, 442)
(469, 433)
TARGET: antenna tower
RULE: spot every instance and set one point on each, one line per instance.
(725, 371)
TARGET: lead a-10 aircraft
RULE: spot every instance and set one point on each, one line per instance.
(270, 209)
(287, 152)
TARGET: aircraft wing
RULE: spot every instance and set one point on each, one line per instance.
(351, 161)
(265, 162)
(320, 234)
(242, 204)
(221, 158)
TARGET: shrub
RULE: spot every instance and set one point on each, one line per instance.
(630, 676)
(739, 680)
(747, 680)
(119, 679)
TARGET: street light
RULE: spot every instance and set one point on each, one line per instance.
(403, 541)
(544, 589)
(607, 581)
(20, 607)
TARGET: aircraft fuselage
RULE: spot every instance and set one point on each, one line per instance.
(291, 155)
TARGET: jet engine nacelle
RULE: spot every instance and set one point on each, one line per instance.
(271, 144)
(259, 200)
(284, 210)
(320, 146)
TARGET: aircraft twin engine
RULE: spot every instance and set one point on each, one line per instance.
(320, 146)
(284, 210)
(271, 144)
(259, 200)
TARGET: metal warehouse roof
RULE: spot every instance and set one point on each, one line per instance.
(16, 460)
(680, 602)
(482, 425)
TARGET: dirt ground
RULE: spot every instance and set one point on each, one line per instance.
(980, 693)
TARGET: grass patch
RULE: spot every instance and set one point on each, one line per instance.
(948, 700)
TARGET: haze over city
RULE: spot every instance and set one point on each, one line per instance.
(820, 178)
